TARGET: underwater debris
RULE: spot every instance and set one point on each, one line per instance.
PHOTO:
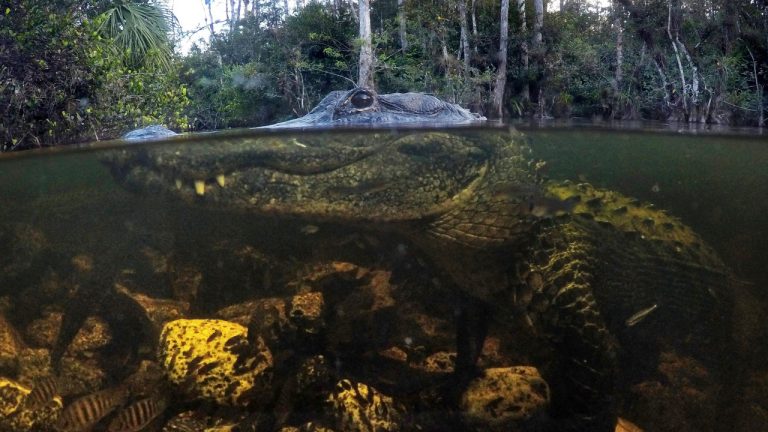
(640, 316)
(310, 229)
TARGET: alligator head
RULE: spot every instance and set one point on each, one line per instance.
(362, 106)
(447, 181)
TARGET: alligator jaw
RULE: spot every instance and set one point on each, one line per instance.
(365, 176)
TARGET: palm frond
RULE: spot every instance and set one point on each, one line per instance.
(141, 30)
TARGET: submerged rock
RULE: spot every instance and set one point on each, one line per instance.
(17, 415)
(12, 395)
(624, 425)
(505, 399)
(212, 360)
(355, 406)
(682, 397)
(10, 346)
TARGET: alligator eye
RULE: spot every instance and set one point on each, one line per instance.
(362, 100)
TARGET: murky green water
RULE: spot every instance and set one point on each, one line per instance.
(350, 322)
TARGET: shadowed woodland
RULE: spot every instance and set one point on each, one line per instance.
(89, 70)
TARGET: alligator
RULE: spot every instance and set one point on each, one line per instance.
(598, 278)
(363, 106)
(357, 107)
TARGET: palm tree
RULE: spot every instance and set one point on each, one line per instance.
(141, 29)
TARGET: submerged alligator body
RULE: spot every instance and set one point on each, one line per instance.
(607, 280)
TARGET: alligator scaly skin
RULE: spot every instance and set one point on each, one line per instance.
(583, 275)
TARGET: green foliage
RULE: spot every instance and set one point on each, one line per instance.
(577, 68)
(43, 73)
(83, 69)
(128, 98)
(61, 80)
(256, 74)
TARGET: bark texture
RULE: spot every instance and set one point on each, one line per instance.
(365, 75)
(501, 72)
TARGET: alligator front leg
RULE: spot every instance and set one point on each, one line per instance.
(471, 330)
(96, 295)
(584, 375)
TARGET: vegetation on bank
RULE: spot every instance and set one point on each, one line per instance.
(74, 70)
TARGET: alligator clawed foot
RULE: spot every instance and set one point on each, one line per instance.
(129, 326)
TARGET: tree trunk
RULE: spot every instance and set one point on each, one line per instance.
(759, 90)
(765, 21)
(210, 16)
(538, 24)
(619, 50)
(365, 76)
(664, 84)
(673, 41)
(501, 72)
(401, 20)
(729, 25)
(696, 80)
(464, 35)
(474, 20)
(618, 76)
(525, 93)
(354, 10)
(285, 8)
(232, 16)
(538, 50)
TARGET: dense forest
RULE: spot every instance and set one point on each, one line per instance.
(74, 70)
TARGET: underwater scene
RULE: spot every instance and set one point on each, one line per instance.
(461, 279)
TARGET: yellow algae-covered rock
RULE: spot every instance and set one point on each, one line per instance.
(10, 345)
(505, 399)
(624, 425)
(41, 418)
(186, 421)
(357, 407)
(18, 415)
(213, 360)
(12, 395)
(306, 312)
